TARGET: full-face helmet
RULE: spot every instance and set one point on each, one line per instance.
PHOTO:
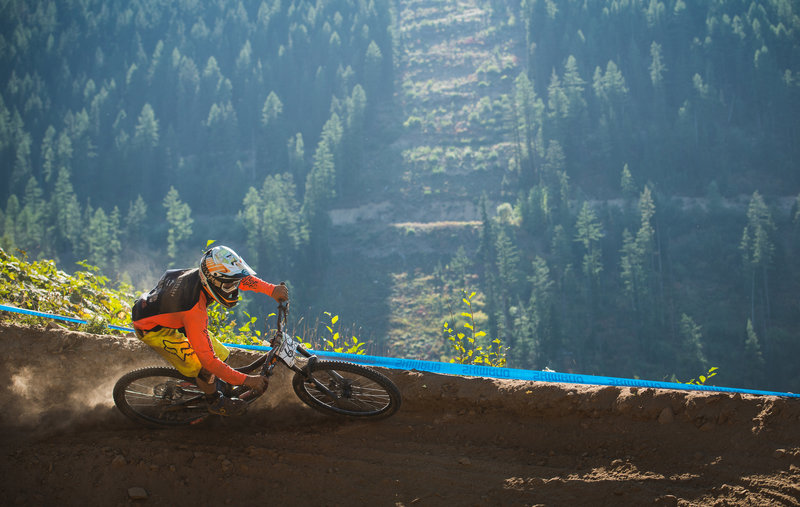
(221, 270)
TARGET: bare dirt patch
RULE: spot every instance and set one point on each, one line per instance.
(456, 441)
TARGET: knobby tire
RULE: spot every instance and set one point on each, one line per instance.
(364, 393)
(159, 396)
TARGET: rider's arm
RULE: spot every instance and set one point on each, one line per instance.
(256, 284)
(196, 325)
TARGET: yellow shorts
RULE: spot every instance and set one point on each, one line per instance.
(173, 346)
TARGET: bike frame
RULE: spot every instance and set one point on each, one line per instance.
(268, 361)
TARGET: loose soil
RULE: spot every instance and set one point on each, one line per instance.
(455, 441)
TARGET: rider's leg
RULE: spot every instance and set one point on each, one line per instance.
(217, 402)
(173, 346)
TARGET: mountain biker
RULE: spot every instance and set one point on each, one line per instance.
(173, 320)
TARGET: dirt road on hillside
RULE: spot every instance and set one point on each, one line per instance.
(456, 441)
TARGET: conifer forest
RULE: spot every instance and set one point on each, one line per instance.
(608, 187)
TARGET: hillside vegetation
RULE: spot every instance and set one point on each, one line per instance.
(616, 180)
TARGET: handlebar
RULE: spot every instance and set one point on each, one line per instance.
(283, 311)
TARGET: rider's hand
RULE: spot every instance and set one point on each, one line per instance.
(256, 382)
(280, 293)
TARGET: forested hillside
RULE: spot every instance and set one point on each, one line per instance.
(616, 180)
(124, 123)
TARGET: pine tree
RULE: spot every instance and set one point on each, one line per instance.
(221, 126)
(508, 277)
(645, 237)
(657, 66)
(373, 69)
(146, 134)
(297, 157)
(282, 231)
(753, 358)
(692, 356)
(612, 92)
(114, 246)
(320, 183)
(135, 221)
(48, 153)
(352, 140)
(30, 223)
(589, 232)
(250, 217)
(319, 193)
(487, 258)
(757, 251)
(332, 134)
(9, 227)
(540, 309)
(97, 239)
(65, 213)
(631, 267)
(637, 254)
(574, 87)
(6, 128)
(179, 219)
(22, 171)
(557, 106)
(272, 134)
(64, 150)
(626, 183)
(272, 110)
(528, 114)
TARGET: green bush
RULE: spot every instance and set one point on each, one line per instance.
(41, 287)
(467, 344)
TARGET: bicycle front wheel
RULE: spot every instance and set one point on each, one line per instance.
(347, 389)
(160, 396)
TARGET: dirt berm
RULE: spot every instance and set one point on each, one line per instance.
(455, 441)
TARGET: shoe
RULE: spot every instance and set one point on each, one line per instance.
(221, 405)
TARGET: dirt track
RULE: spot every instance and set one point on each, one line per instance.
(456, 441)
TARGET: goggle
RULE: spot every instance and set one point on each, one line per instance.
(225, 286)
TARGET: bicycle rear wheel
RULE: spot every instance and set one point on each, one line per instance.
(160, 396)
(347, 389)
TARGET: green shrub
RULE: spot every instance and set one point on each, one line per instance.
(467, 344)
(86, 295)
(702, 379)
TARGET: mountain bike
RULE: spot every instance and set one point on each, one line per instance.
(162, 396)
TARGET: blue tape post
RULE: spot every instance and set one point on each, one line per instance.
(468, 370)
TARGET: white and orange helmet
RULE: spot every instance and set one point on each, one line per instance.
(221, 270)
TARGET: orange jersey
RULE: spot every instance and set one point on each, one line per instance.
(178, 301)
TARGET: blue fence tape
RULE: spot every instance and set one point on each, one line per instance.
(468, 370)
(471, 370)
(34, 313)
(53, 316)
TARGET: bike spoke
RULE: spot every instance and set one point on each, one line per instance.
(352, 392)
(164, 399)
